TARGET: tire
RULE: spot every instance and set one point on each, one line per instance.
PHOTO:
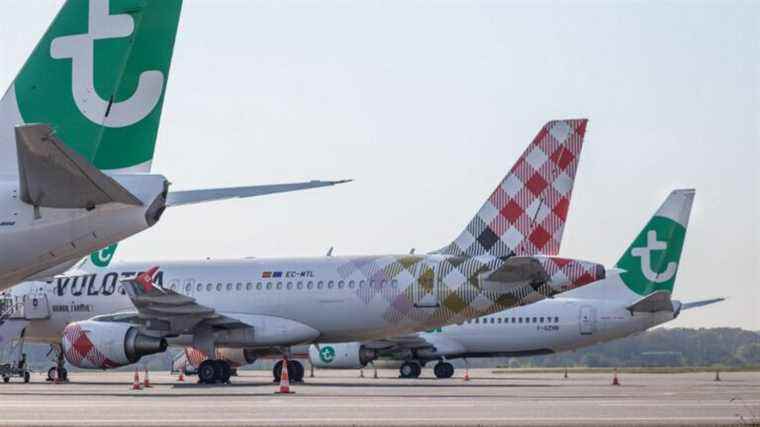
(297, 369)
(27, 377)
(64, 374)
(443, 370)
(222, 371)
(206, 372)
(409, 370)
(6, 379)
(51, 374)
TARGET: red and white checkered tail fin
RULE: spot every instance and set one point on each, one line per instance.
(526, 213)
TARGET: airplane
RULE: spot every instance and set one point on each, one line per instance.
(505, 257)
(78, 128)
(633, 297)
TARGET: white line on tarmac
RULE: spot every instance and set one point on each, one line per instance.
(373, 420)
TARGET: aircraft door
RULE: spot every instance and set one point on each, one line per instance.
(36, 307)
(426, 286)
(587, 320)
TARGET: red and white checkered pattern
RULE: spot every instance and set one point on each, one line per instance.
(81, 352)
(526, 213)
(566, 274)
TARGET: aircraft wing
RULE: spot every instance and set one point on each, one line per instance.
(53, 175)
(695, 304)
(420, 343)
(169, 312)
(189, 197)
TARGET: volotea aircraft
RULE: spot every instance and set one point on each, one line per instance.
(78, 129)
(635, 296)
(504, 258)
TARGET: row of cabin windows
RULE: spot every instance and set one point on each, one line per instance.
(341, 284)
(495, 320)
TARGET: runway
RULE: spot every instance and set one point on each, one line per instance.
(342, 398)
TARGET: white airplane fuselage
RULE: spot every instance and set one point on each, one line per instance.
(43, 242)
(327, 299)
(550, 326)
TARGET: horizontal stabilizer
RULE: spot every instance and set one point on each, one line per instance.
(189, 197)
(695, 304)
(52, 175)
(652, 303)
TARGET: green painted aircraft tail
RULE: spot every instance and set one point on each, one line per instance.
(98, 77)
(651, 262)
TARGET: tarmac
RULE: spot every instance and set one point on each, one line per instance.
(342, 398)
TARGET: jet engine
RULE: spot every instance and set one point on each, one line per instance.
(93, 344)
(341, 356)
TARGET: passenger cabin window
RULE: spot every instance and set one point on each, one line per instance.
(330, 284)
(289, 285)
(299, 285)
(309, 285)
(341, 284)
(556, 319)
(269, 285)
(351, 284)
(279, 285)
(320, 284)
(209, 287)
(219, 287)
(248, 286)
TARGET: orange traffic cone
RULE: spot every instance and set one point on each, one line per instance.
(146, 383)
(136, 380)
(467, 373)
(615, 380)
(284, 380)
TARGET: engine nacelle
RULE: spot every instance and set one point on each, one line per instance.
(93, 344)
(341, 356)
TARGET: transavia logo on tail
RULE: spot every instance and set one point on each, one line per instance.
(104, 256)
(651, 262)
(646, 260)
(80, 49)
(327, 354)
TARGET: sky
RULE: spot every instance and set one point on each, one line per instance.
(427, 104)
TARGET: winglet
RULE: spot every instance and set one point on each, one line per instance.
(145, 279)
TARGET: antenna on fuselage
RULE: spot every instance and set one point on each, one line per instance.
(411, 252)
(329, 251)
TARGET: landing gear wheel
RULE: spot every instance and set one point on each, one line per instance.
(222, 371)
(6, 379)
(206, 372)
(443, 370)
(410, 370)
(52, 374)
(27, 377)
(297, 370)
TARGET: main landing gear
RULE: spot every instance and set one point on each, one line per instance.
(295, 371)
(410, 370)
(214, 371)
(443, 370)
